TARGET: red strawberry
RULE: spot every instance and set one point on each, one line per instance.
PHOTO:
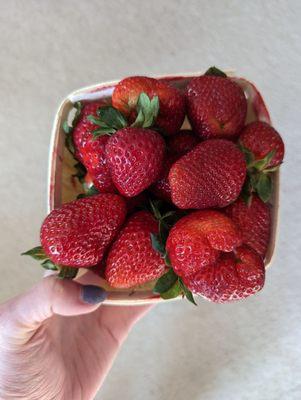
(182, 142)
(161, 188)
(78, 233)
(91, 151)
(172, 103)
(178, 145)
(234, 276)
(135, 158)
(83, 128)
(254, 222)
(198, 239)
(260, 139)
(132, 261)
(210, 175)
(216, 106)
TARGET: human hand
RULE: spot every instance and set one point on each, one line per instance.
(57, 343)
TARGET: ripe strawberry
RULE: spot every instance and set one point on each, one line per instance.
(210, 175)
(216, 106)
(90, 151)
(131, 260)
(135, 158)
(172, 103)
(83, 128)
(234, 276)
(264, 151)
(197, 240)
(182, 142)
(78, 233)
(260, 139)
(161, 188)
(254, 222)
(177, 145)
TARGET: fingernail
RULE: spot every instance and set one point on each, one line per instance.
(92, 294)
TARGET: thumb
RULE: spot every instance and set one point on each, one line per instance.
(50, 296)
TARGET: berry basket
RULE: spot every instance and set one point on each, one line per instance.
(62, 187)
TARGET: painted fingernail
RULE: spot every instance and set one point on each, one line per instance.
(92, 294)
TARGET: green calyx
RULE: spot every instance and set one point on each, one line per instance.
(37, 253)
(169, 285)
(258, 176)
(91, 191)
(147, 111)
(68, 129)
(109, 119)
(213, 71)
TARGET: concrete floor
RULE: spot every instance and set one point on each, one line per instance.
(245, 351)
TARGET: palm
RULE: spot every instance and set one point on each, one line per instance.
(75, 353)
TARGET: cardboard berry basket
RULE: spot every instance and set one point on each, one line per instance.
(62, 187)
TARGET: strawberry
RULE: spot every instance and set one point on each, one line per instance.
(234, 276)
(172, 103)
(182, 142)
(78, 233)
(135, 158)
(161, 188)
(131, 260)
(91, 151)
(177, 145)
(198, 239)
(216, 106)
(264, 152)
(260, 139)
(254, 222)
(210, 175)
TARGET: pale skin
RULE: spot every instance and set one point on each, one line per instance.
(54, 346)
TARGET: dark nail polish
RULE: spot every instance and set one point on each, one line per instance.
(92, 294)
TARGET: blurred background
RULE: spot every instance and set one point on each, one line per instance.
(249, 350)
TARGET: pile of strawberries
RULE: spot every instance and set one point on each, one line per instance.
(185, 209)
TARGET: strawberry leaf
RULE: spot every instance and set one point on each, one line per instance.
(157, 244)
(167, 260)
(249, 156)
(155, 204)
(213, 71)
(109, 121)
(187, 293)
(91, 191)
(165, 282)
(102, 132)
(69, 142)
(147, 111)
(264, 162)
(173, 291)
(264, 187)
(67, 273)
(78, 106)
(246, 192)
(37, 253)
(272, 169)
(111, 117)
(49, 265)
(66, 127)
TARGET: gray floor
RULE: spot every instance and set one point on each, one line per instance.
(244, 351)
